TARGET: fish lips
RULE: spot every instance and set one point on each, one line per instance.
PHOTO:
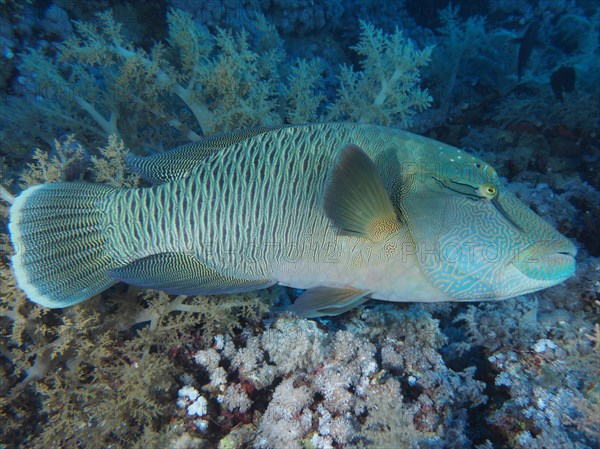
(547, 260)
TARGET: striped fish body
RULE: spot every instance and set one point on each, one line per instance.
(347, 211)
(254, 211)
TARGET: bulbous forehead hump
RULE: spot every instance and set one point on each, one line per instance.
(443, 161)
(458, 164)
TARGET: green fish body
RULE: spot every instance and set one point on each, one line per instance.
(348, 212)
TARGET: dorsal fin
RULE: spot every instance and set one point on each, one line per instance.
(179, 162)
(356, 200)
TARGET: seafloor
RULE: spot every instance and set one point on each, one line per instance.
(515, 82)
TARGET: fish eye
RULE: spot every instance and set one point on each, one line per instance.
(489, 190)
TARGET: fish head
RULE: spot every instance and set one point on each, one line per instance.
(475, 240)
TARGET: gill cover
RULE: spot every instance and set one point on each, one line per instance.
(449, 230)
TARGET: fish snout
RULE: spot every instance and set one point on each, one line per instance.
(547, 260)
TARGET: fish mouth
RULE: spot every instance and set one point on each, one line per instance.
(547, 260)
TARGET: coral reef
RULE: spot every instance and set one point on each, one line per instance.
(376, 384)
(84, 83)
(97, 83)
(541, 411)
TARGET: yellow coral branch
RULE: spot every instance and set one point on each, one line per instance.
(6, 196)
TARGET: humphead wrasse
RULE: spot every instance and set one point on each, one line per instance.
(348, 212)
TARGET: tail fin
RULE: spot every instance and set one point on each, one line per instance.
(57, 231)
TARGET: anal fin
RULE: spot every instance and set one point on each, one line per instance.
(326, 301)
(182, 274)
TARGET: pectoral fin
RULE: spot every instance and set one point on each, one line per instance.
(325, 301)
(356, 200)
(182, 274)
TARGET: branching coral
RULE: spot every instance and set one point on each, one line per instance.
(303, 93)
(75, 370)
(387, 89)
(61, 166)
(98, 83)
(109, 167)
(95, 378)
(459, 42)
